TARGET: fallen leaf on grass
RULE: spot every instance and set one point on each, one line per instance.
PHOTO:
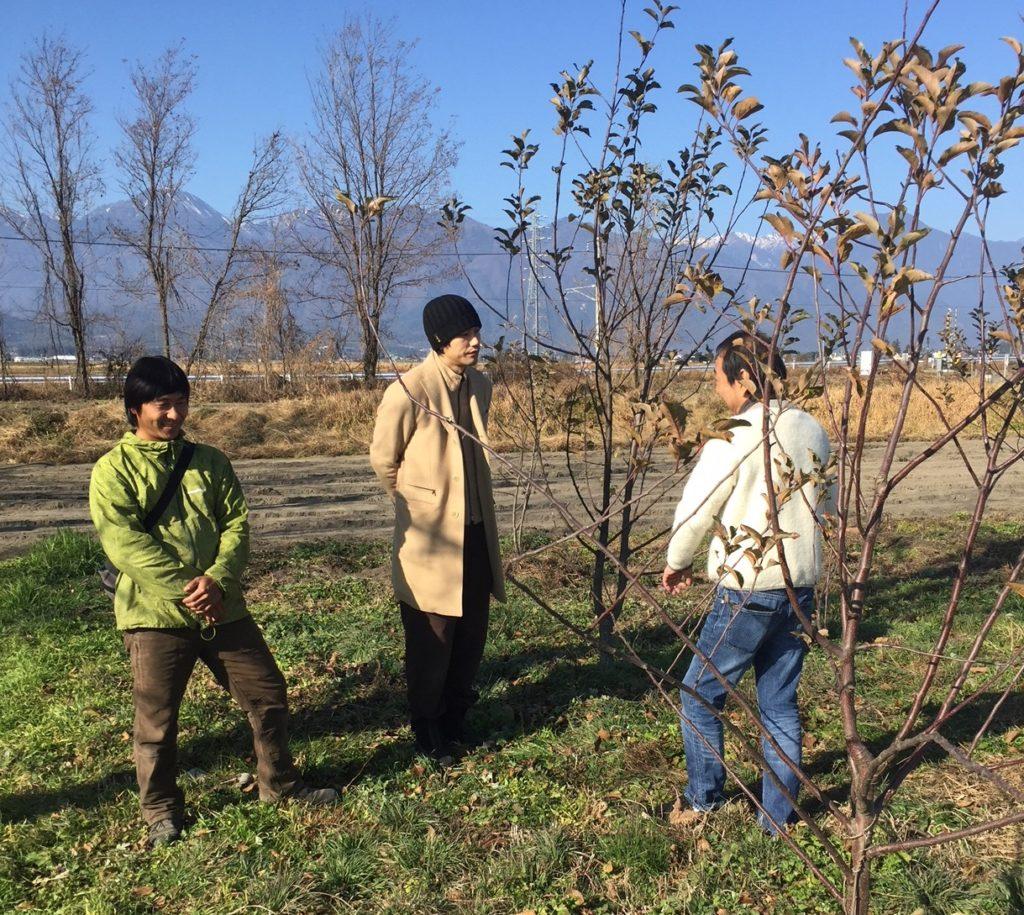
(142, 891)
(682, 816)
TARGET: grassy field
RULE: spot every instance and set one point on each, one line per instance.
(562, 811)
(64, 429)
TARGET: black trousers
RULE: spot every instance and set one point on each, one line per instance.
(443, 653)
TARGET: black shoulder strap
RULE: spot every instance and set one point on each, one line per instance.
(173, 482)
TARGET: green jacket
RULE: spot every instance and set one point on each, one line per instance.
(205, 530)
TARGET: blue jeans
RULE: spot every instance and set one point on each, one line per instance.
(746, 628)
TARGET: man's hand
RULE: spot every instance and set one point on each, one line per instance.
(204, 598)
(675, 581)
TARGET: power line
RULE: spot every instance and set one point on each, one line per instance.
(218, 250)
(212, 249)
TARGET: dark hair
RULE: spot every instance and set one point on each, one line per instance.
(743, 350)
(151, 378)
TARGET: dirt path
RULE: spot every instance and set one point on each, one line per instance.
(311, 498)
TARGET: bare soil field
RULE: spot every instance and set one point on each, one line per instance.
(304, 499)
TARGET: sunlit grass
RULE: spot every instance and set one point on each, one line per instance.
(562, 810)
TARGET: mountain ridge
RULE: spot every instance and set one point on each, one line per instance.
(485, 268)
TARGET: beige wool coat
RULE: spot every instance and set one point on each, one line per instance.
(418, 459)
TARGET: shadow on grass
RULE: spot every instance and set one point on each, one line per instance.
(542, 684)
(349, 708)
(960, 730)
(30, 805)
(912, 594)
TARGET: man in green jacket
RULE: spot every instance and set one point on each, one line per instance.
(178, 596)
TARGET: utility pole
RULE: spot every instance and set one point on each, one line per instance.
(598, 314)
(533, 324)
(532, 292)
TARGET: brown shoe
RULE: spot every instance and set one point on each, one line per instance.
(315, 797)
(164, 832)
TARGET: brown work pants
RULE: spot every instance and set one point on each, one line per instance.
(162, 662)
(443, 653)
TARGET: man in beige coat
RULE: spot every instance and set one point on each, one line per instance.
(445, 559)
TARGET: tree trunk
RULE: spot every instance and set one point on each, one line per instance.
(73, 288)
(371, 349)
(81, 357)
(164, 323)
(626, 529)
(606, 623)
(5, 357)
(74, 307)
(857, 890)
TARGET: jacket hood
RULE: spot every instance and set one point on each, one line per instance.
(131, 440)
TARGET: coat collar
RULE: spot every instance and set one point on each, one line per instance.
(437, 390)
(452, 379)
(437, 384)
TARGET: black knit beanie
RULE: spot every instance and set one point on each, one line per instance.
(446, 317)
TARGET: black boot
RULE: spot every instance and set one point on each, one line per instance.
(452, 725)
(431, 742)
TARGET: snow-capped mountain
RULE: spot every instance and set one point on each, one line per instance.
(748, 263)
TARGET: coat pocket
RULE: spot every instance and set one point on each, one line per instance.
(414, 492)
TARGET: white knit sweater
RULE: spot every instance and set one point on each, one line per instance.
(728, 484)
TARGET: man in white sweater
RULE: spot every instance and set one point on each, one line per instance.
(752, 621)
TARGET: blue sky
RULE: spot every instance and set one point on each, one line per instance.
(493, 62)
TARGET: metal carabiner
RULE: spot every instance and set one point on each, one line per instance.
(212, 629)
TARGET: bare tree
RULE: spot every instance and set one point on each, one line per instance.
(261, 193)
(640, 241)
(272, 324)
(373, 167)
(155, 160)
(52, 176)
(852, 246)
(6, 382)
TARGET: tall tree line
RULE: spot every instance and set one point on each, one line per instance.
(371, 168)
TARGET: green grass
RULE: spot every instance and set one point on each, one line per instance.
(562, 811)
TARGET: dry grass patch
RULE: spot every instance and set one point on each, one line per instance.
(959, 799)
(340, 422)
